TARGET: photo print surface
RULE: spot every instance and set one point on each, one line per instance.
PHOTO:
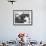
(22, 17)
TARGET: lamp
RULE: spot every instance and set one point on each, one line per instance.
(12, 1)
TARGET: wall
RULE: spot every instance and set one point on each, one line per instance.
(38, 30)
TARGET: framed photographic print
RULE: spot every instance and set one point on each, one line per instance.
(22, 17)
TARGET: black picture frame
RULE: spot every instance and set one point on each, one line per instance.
(18, 13)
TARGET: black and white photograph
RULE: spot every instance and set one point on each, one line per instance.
(22, 17)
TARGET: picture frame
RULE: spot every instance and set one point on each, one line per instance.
(22, 17)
